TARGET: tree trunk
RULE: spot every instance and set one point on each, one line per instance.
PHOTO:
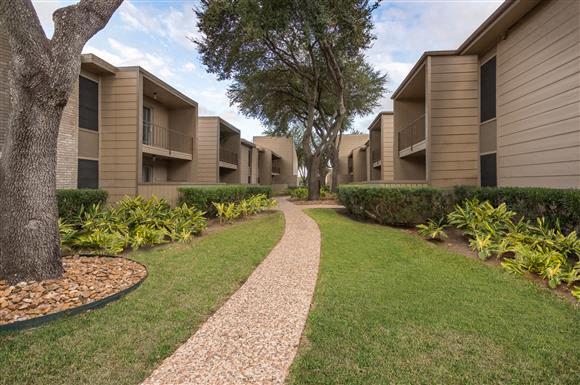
(42, 73)
(29, 237)
(314, 180)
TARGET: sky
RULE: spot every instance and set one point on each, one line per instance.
(156, 35)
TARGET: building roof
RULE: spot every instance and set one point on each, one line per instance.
(375, 121)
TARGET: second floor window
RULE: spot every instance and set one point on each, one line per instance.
(88, 104)
(487, 90)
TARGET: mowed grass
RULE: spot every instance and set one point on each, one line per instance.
(390, 308)
(124, 341)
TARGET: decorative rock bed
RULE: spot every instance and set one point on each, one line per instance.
(88, 282)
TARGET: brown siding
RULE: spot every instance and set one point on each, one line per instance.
(388, 135)
(538, 96)
(284, 147)
(207, 150)
(347, 144)
(452, 120)
(119, 134)
(244, 163)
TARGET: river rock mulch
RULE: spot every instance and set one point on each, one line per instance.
(85, 280)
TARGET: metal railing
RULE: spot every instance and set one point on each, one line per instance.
(166, 138)
(228, 156)
(412, 134)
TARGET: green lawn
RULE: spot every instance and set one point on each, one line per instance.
(390, 308)
(123, 342)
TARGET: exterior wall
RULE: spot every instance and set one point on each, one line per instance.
(347, 144)
(67, 145)
(387, 147)
(265, 167)
(284, 147)
(245, 166)
(452, 120)
(538, 99)
(359, 165)
(207, 150)
(120, 134)
(255, 165)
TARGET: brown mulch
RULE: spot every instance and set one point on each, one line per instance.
(85, 280)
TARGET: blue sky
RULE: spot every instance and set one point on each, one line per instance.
(154, 35)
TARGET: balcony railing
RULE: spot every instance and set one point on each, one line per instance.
(166, 138)
(413, 134)
(228, 156)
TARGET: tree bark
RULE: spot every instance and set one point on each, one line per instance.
(42, 73)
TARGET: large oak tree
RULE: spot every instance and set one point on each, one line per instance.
(42, 73)
(293, 65)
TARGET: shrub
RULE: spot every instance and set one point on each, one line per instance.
(554, 205)
(299, 193)
(70, 202)
(407, 206)
(228, 212)
(203, 197)
(133, 222)
(434, 230)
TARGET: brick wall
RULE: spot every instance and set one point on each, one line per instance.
(67, 147)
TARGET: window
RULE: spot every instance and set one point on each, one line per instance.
(488, 165)
(147, 126)
(88, 174)
(88, 104)
(147, 174)
(487, 90)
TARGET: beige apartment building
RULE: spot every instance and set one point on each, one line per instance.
(501, 110)
(348, 144)
(358, 163)
(380, 149)
(277, 161)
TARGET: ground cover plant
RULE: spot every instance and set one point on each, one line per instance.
(203, 197)
(132, 222)
(390, 308)
(228, 212)
(524, 246)
(123, 342)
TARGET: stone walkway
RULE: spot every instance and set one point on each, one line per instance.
(254, 336)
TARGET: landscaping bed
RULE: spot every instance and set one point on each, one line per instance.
(85, 280)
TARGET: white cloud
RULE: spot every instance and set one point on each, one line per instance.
(189, 67)
(125, 55)
(179, 25)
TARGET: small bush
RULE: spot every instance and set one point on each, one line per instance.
(300, 193)
(70, 202)
(228, 212)
(406, 206)
(204, 197)
(133, 222)
(554, 205)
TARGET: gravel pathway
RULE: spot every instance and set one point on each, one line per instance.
(254, 336)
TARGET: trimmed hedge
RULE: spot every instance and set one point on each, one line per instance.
(555, 205)
(202, 197)
(70, 201)
(402, 206)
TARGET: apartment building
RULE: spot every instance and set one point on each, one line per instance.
(348, 143)
(358, 163)
(380, 149)
(249, 156)
(277, 161)
(501, 110)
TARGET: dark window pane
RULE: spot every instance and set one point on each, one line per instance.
(88, 104)
(88, 174)
(487, 90)
(488, 170)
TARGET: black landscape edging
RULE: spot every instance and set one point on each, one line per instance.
(38, 321)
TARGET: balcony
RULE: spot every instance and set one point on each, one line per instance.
(163, 141)
(228, 158)
(411, 139)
